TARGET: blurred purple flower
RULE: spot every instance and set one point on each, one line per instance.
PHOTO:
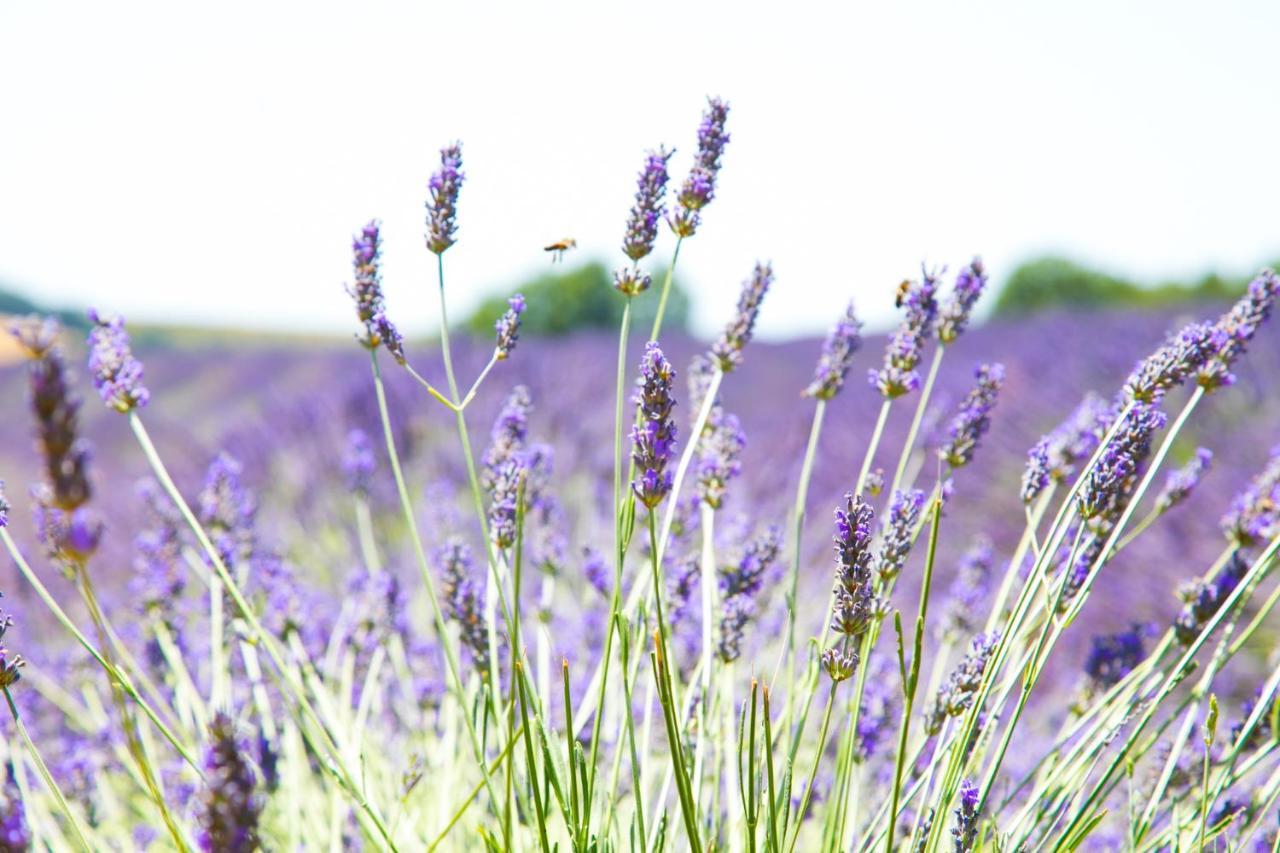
(442, 207)
(116, 373)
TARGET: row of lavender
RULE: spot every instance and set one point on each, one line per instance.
(673, 580)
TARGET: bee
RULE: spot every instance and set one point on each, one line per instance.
(901, 296)
(560, 247)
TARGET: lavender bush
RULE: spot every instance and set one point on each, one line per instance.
(346, 626)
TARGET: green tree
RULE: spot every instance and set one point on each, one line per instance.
(582, 297)
(1055, 281)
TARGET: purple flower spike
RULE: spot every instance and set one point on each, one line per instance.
(1182, 355)
(1113, 656)
(899, 532)
(728, 349)
(358, 461)
(970, 282)
(116, 373)
(718, 450)
(837, 354)
(1108, 485)
(10, 665)
(969, 590)
(366, 256)
(1239, 326)
(230, 806)
(699, 188)
(442, 208)
(1254, 514)
(919, 301)
(856, 604)
(957, 694)
(464, 601)
(508, 327)
(642, 224)
(965, 832)
(1180, 483)
(974, 417)
(654, 438)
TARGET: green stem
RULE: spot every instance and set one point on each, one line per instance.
(112, 672)
(666, 290)
(798, 516)
(45, 775)
(817, 759)
(257, 633)
(917, 419)
(913, 681)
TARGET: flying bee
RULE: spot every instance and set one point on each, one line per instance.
(901, 295)
(560, 247)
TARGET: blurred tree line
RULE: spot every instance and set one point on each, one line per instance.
(565, 300)
(1054, 281)
(12, 303)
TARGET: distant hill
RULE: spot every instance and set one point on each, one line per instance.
(13, 303)
(1050, 282)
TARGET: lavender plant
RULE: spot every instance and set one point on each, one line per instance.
(721, 685)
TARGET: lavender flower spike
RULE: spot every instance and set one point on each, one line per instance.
(856, 603)
(508, 327)
(699, 188)
(1182, 355)
(1106, 488)
(965, 832)
(728, 349)
(642, 224)
(718, 450)
(957, 694)
(970, 283)
(1180, 483)
(442, 208)
(230, 807)
(358, 461)
(654, 437)
(10, 665)
(1254, 513)
(904, 514)
(974, 418)
(902, 355)
(837, 354)
(1239, 325)
(116, 373)
(366, 254)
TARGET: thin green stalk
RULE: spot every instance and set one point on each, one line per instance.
(666, 291)
(911, 683)
(45, 775)
(442, 630)
(108, 667)
(539, 809)
(133, 742)
(615, 599)
(797, 527)
(917, 419)
(1255, 571)
(256, 631)
(662, 671)
(817, 760)
(772, 834)
(707, 588)
(873, 445)
(475, 791)
(624, 647)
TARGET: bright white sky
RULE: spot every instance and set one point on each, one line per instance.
(208, 164)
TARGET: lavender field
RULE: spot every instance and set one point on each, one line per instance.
(324, 596)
